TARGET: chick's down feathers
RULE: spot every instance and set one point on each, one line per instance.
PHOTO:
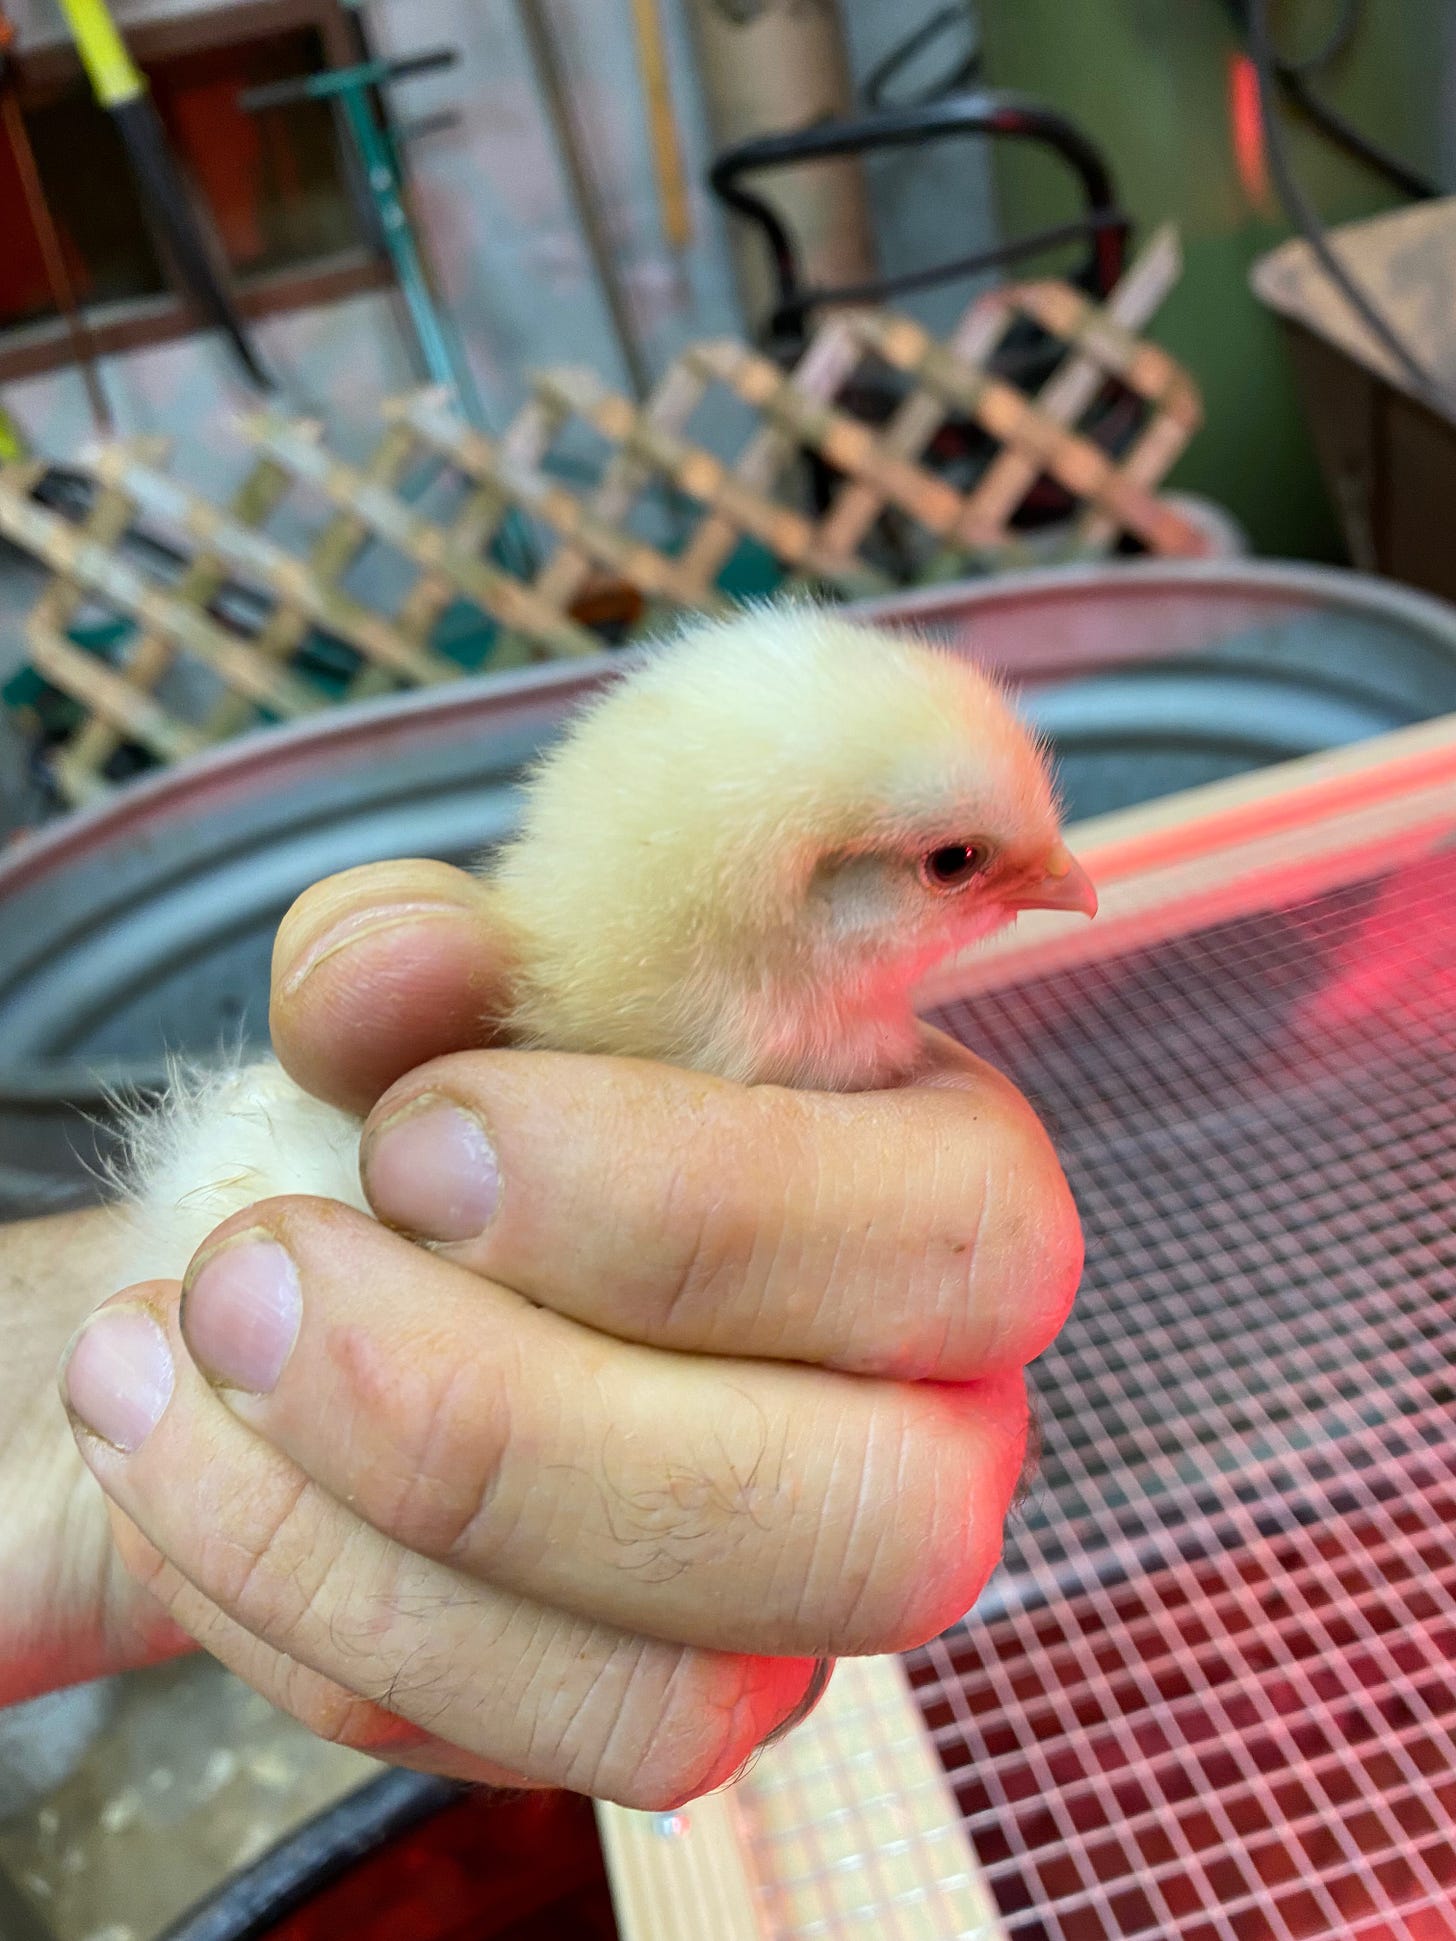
(739, 859)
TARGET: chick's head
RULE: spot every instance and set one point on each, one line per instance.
(746, 854)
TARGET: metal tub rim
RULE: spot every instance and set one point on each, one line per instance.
(347, 734)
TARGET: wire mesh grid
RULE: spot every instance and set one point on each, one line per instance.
(1212, 1692)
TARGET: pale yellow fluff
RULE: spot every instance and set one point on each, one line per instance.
(668, 881)
(720, 865)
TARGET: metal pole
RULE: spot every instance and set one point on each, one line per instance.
(63, 293)
(550, 73)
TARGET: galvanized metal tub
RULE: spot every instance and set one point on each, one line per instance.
(145, 926)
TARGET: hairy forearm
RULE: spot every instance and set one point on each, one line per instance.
(67, 1611)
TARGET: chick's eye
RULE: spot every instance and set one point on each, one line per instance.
(953, 865)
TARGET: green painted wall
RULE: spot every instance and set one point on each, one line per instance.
(1150, 81)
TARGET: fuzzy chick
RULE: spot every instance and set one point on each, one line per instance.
(740, 859)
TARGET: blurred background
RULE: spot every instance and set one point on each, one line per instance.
(371, 372)
(1163, 94)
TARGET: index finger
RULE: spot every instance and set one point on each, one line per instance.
(921, 1232)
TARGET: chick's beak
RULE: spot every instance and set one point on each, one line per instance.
(1064, 885)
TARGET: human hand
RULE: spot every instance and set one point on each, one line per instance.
(696, 1384)
(68, 1611)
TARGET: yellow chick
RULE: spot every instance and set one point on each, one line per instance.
(740, 859)
(744, 856)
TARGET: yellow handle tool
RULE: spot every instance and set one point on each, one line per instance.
(196, 259)
(113, 74)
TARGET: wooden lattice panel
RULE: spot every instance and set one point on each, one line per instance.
(815, 478)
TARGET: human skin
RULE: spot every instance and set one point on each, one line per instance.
(711, 1382)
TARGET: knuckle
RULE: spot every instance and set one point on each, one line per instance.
(444, 1443)
(980, 1444)
(962, 1228)
(256, 1569)
(711, 1233)
(433, 1409)
(696, 1248)
(1043, 1253)
(724, 1216)
(327, 1711)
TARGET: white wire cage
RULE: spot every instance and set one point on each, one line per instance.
(1211, 1693)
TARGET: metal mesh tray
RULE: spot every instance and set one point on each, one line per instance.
(1212, 1693)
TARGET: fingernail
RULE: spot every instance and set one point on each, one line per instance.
(430, 1170)
(366, 923)
(241, 1306)
(118, 1377)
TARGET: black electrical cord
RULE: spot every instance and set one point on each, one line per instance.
(1296, 75)
(1334, 44)
(1330, 122)
(790, 313)
(1302, 214)
(1009, 116)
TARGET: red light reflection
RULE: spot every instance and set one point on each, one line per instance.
(1246, 131)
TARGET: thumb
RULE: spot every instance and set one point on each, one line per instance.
(380, 968)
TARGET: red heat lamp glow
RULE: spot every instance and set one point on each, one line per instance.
(1395, 969)
(1246, 133)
